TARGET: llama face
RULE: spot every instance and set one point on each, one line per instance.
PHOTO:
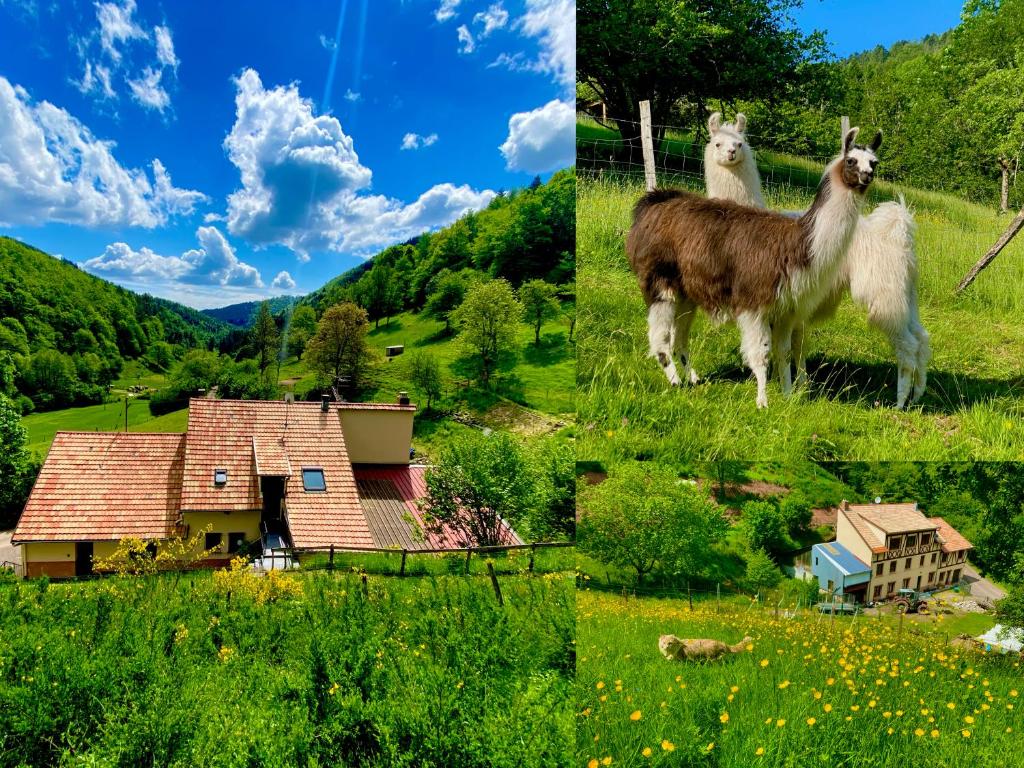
(859, 161)
(727, 146)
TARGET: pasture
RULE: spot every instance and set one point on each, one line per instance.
(973, 406)
(231, 669)
(806, 691)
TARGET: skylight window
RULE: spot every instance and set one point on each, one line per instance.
(220, 477)
(313, 479)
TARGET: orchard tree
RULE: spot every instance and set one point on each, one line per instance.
(646, 518)
(762, 573)
(16, 467)
(487, 322)
(425, 374)
(302, 328)
(379, 291)
(479, 481)
(264, 338)
(539, 304)
(762, 526)
(447, 291)
(339, 347)
(796, 511)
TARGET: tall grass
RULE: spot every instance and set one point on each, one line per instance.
(976, 383)
(197, 671)
(807, 691)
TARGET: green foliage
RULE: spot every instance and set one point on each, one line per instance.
(539, 304)
(479, 481)
(762, 573)
(486, 321)
(413, 672)
(763, 526)
(379, 293)
(644, 517)
(302, 328)
(425, 374)
(264, 338)
(447, 290)
(796, 512)
(554, 514)
(17, 471)
(339, 347)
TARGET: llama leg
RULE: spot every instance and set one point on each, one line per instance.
(660, 327)
(782, 344)
(755, 345)
(905, 345)
(799, 354)
(685, 312)
(924, 355)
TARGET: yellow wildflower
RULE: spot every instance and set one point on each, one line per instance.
(636, 715)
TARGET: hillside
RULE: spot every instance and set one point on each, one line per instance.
(241, 315)
(65, 334)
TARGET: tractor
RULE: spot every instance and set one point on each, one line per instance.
(910, 601)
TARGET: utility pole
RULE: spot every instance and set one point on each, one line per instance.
(126, 413)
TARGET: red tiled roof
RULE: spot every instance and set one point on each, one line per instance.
(271, 458)
(375, 407)
(952, 539)
(894, 518)
(411, 484)
(100, 486)
(221, 435)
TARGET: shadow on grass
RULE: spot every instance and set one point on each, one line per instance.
(552, 349)
(386, 326)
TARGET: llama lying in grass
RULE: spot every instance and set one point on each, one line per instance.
(677, 649)
(880, 271)
(766, 270)
(729, 168)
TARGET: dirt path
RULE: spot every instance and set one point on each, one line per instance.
(982, 587)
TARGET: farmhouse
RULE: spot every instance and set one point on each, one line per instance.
(314, 475)
(882, 548)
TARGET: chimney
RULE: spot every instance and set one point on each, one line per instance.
(325, 402)
(403, 398)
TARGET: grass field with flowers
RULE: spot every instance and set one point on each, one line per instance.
(804, 692)
(229, 669)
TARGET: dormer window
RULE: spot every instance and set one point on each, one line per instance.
(313, 479)
(220, 477)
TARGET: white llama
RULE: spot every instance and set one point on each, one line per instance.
(880, 270)
(766, 270)
(729, 168)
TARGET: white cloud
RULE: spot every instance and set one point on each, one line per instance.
(541, 140)
(283, 282)
(493, 18)
(553, 24)
(304, 187)
(328, 42)
(53, 169)
(213, 263)
(165, 47)
(415, 141)
(148, 92)
(123, 48)
(466, 42)
(352, 96)
(446, 10)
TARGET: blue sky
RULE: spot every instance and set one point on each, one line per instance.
(197, 151)
(853, 26)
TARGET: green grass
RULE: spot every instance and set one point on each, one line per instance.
(203, 671)
(810, 692)
(972, 410)
(108, 417)
(135, 373)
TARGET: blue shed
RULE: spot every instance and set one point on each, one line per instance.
(839, 571)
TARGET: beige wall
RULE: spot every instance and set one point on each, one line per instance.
(219, 522)
(48, 551)
(930, 573)
(377, 436)
(849, 538)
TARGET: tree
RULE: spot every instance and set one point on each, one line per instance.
(762, 573)
(479, 481)
(264, 338)
(425, 374)
(448, 291)
(303, 326)
(555, 514)
(796, 511)
(726, 472)
(539, 304)
(487, 323)
(666, 50)
(762, 526)
(379, 291)
(16, 467)
(645, 518)
(339, 347)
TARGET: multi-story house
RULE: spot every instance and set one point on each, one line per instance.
(882, 548)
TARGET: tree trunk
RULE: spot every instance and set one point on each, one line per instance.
(536, 335)
(1004, 197)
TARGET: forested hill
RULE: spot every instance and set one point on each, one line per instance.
(65, 334)
(524, 234)
(241, 315)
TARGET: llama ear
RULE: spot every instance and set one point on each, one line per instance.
(851, 136)
(714, 123)
(741, 122)
(876, 142)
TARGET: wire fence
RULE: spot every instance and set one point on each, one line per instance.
(679, 159)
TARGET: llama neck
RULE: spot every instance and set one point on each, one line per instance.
(831, 221)
(740, 183)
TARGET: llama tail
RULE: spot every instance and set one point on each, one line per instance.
(653, 198)
(741, 645)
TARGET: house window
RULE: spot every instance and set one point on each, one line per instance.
(891, 587)
(956, 575)
(220, 477)
(911, 541)
(235, 542)
(831, 586)
(931, 577)
(895, 541)
(906, 583)
(909, 564)
(213, 541)
(878, 591)
(313, 479)
(879, 570)
(926, 539)
(933, 558)
(815, 559)
(892, 566)
(922, 561)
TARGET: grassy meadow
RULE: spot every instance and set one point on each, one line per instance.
(230, 669)
(805, 691)
(975, 397)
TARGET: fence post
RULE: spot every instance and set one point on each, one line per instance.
(494, 583)
(900, 634)
(647, 144)
(401, 571)
(689, 596)
(469, 554)
(330, 561)
(718, 597)
(844, 123)
(366, 587)
(533, 552)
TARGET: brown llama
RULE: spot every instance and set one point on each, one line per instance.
(766, 270)
(678, 649)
